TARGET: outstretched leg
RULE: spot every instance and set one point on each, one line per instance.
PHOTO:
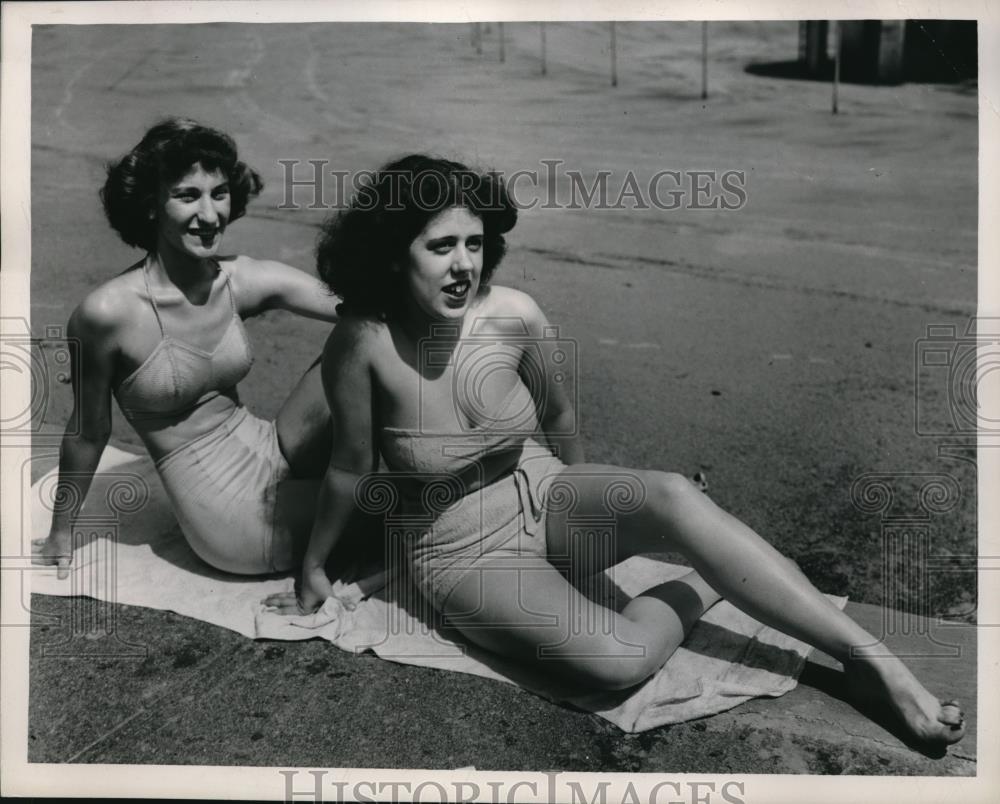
(665, 512)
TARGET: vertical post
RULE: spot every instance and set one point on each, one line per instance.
(503, 46)
(704, 60)
(836, 62)
(479, 39)
(541, 26)
(614, 56)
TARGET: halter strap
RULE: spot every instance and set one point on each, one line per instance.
(152, 301)
(229, 287)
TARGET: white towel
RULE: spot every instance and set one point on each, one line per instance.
(135, 554)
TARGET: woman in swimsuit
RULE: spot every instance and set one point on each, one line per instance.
(456, 383)
(166, 339)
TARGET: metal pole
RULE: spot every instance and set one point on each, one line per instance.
(836, 62)
(503, 50)
(541, 26)
(477, 35)
(704, 60)
(614, 56)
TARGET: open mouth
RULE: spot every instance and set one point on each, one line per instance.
(204, 234)
(459, 289)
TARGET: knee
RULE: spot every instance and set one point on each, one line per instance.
(670, 488)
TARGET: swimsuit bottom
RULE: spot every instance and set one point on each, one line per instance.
(232, 493)
(499, 522)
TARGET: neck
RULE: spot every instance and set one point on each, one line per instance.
(419, 326)
(182, 270)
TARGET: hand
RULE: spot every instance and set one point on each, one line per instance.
(313, 591)
(54, 550)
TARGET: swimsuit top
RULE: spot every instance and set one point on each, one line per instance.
(434, 470)
(476, 456)
(178, 378)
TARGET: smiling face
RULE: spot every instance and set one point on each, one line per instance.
(445, 265)
(192, 213)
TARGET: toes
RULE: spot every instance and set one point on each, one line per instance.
(952, 719)
(951, 714)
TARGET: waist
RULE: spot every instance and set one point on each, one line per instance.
(429, 494)
(446, 513)
(165, 433)
(462, 476)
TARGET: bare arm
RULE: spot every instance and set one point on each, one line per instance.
(92, 326)
(270, 285)
(548, 387)
(347, 381)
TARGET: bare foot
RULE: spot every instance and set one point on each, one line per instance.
(886, 680)
(53, 551)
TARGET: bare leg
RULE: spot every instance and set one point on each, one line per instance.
(304, 428)
(532, 613)
(749, 573)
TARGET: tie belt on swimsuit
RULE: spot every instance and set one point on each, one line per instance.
(529, 502)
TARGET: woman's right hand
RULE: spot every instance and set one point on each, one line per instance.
(314, 589)
(54, 550)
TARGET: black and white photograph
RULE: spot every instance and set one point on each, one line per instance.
(585, 404)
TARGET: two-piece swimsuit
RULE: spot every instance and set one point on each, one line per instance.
(449, 530)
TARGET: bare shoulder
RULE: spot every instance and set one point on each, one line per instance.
(107, 309)
(246, 268)
(261, 285)
(355, 341)
(509, 303)
(243, 264)
(246, 272)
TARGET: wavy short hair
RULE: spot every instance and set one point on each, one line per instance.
(360, 246)
(167, 152)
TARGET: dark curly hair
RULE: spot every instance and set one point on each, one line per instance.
(359, 246)
(165, 154)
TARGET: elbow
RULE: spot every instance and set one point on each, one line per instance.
(88, 437)
(560, 422)
(97, 436)
(100, 436)
(353, 461)
(343, 480)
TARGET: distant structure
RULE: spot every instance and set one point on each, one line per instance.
(891, 51)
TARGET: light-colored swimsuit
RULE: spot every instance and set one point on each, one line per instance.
(450, 531)
(230, 488)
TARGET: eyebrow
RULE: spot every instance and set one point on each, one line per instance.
(451, 238)
(188, 188)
